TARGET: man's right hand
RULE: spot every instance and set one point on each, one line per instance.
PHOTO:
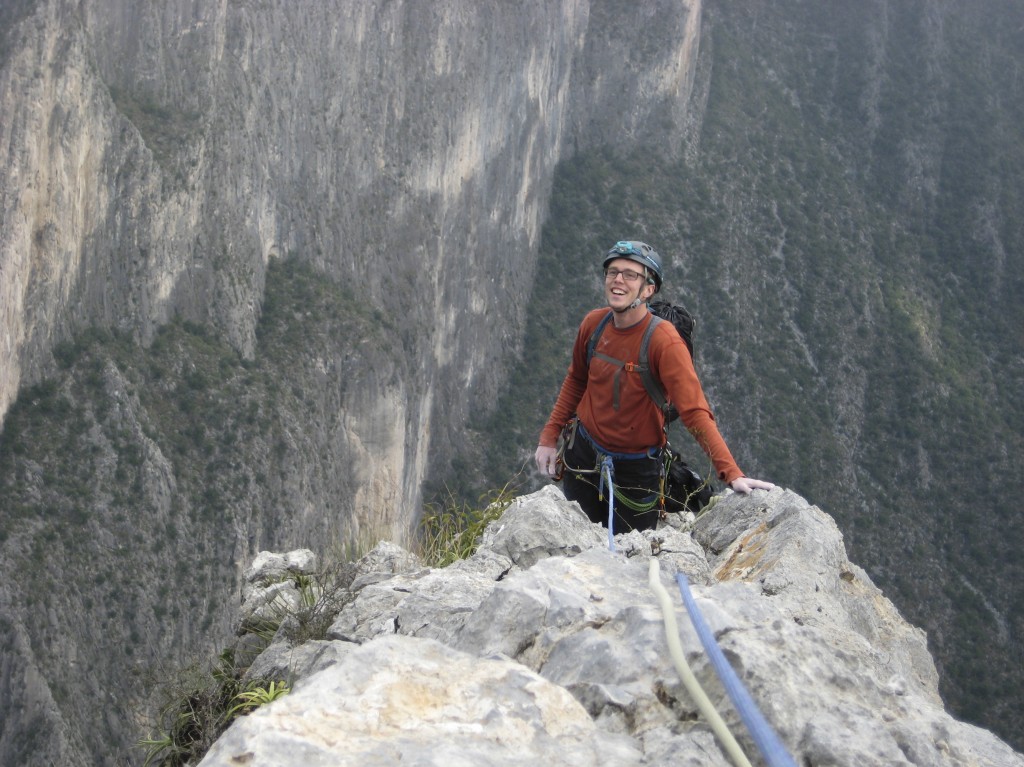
(547, 460)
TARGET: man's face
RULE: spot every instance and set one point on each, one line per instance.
(624, 282)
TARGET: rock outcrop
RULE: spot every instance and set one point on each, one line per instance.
(544, 646)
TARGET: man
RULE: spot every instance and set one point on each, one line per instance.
(613, 430)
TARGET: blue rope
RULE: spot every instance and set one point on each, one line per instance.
(607, 469)
(607, 475)
(768, 743)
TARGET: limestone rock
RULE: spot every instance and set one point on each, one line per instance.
(401, 699)
(282, 662)
(546, 645)
(268, 566)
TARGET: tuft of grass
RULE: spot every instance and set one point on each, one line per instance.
(195, 715)
(256, 695)
(322, 596)
(451, 530)
(201, 706)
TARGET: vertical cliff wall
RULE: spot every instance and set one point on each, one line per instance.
(158, 161)
(158, 157)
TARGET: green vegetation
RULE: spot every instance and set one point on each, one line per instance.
(254, 696)
(451, 532)
(201, 705)
(126, 477)
(167, 131)
(321, 597)
(114, 408)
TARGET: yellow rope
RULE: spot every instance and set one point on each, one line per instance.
(675, 648)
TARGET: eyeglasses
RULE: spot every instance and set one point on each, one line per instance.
(627, 274)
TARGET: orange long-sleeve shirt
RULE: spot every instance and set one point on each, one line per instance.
(637, 424)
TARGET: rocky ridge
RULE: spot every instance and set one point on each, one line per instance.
(544, 645)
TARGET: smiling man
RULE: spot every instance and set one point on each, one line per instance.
(605, 434)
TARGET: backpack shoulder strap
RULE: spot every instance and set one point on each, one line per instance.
(596, 335)
(654, 389)
(651, 384)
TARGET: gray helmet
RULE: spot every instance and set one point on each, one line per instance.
(640, 252)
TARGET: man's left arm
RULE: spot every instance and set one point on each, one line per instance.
(683, 388)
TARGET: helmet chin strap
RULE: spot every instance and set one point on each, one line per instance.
(647, 281)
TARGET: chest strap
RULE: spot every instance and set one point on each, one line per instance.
(629, 367)
(654, 390)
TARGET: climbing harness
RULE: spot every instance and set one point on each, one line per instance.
(604, 468)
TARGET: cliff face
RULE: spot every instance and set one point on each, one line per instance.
(388, 165)
(160, 157)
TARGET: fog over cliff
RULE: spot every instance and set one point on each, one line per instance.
(272, 274)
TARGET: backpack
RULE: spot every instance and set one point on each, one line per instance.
(685, 489)
(684, 324)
